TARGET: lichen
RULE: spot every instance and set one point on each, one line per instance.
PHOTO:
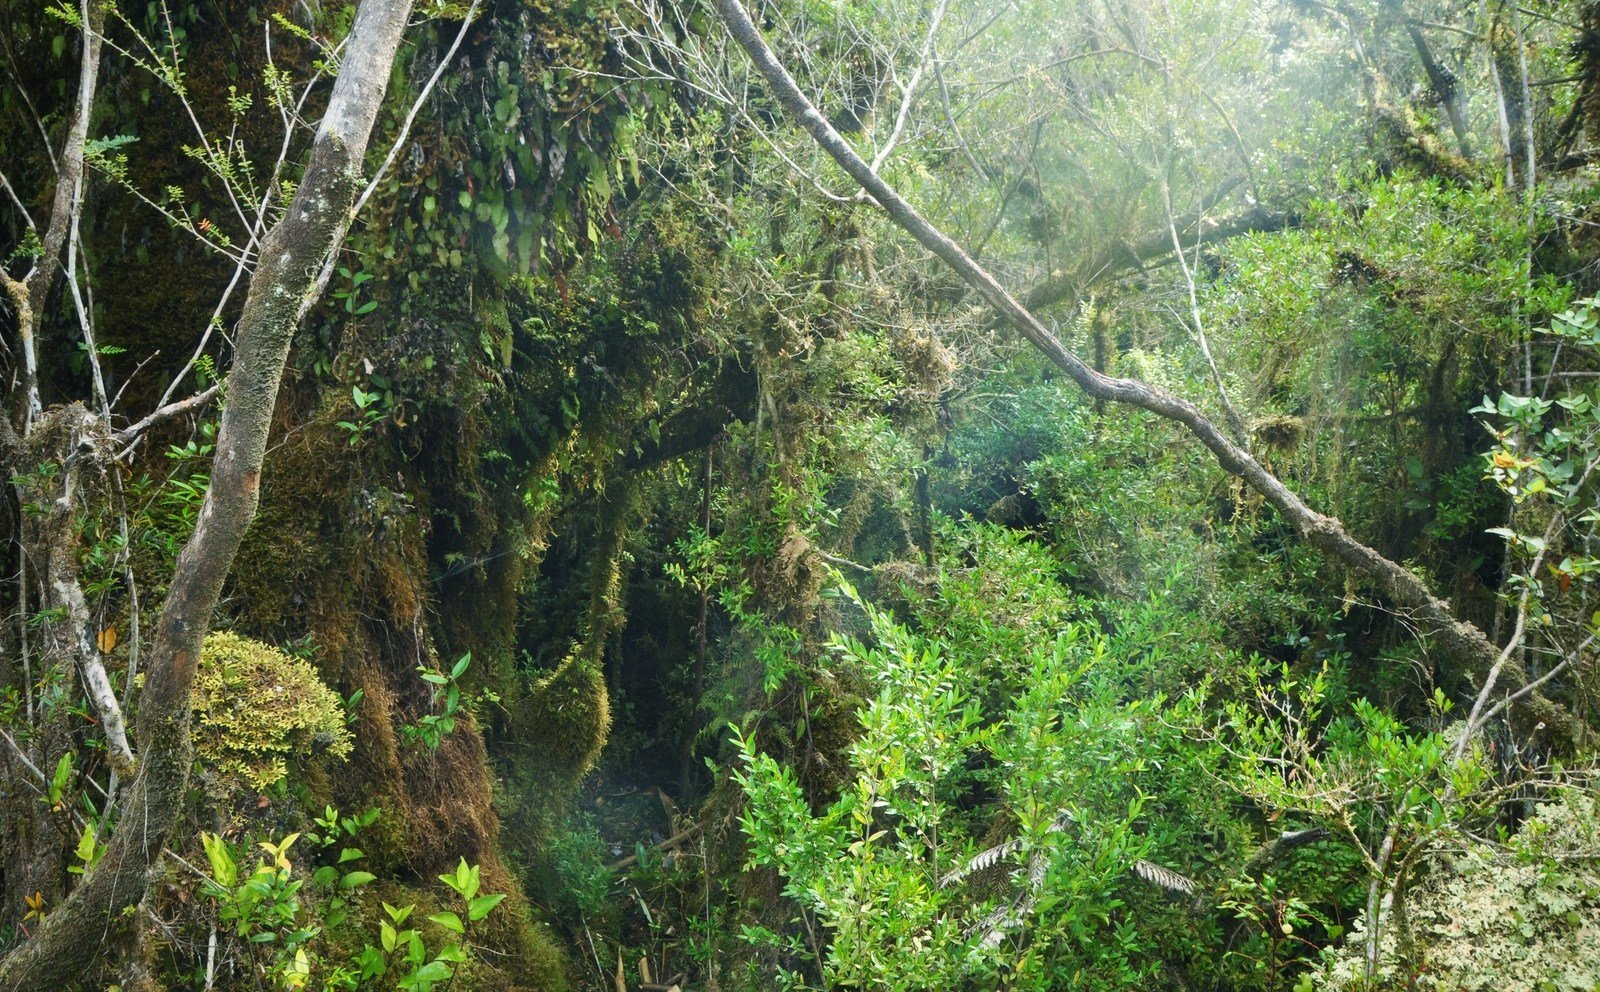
(256, 706)
(1525, 919)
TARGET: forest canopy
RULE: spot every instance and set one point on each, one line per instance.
(804, 494)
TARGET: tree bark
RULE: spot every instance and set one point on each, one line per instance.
(1400, 586)
(30, 293)
(282, 288)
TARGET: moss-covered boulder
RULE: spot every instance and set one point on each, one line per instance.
(1519, 919)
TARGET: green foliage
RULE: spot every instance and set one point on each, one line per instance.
(372, 409)
(1360, 771)
(280, 925)
(896, 872)
(1544, 454)
(55, 795)
(445, 693)
(256, 708)
(578, 859)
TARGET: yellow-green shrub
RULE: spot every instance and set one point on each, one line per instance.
(254, 706)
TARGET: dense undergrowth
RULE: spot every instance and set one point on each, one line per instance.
(666, 577)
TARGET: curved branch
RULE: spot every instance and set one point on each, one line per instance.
(1401, 586)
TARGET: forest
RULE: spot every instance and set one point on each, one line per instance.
(734, 495)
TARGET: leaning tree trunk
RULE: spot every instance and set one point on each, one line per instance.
(282, 289)
(1403, 588)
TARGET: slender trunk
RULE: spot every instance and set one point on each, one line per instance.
(925, 506)
(281, 290)
(702, 640)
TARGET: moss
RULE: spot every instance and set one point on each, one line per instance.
(570, 712)
(255, 707)
(1279, 431)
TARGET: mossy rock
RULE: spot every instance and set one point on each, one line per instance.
(1523, 919)
(255, 707)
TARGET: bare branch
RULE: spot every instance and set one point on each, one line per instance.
(132, 431)
(909, 91)
(1241, 433)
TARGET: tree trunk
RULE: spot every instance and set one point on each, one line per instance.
(282, 289)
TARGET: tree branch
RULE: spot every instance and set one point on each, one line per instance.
(132, 431)
(1457, 637)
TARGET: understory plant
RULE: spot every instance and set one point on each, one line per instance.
(278, 926)
(972, 846)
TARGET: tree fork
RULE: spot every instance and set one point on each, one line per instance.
(282, 289)
(1456, 636)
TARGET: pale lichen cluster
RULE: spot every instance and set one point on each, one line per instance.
(256, 706)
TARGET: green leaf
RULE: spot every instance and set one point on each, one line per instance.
(449, 921)
(461, 666)
(223, 867)
(398, 913)
(88, 850)
(464, 881)
(59, 780)
(433, 971)
(356, 879)
(478, 908)
(452, 953)
(350, 854)
(372, 962)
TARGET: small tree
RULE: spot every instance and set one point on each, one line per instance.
(286, 252)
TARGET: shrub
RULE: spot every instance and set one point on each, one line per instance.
(255, 706)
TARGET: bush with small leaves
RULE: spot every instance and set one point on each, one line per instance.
(256, 706)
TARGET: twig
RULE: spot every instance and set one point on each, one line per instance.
(1236, 422)
(838, 562)
(687, 833)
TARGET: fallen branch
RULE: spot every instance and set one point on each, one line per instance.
(686, 834)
